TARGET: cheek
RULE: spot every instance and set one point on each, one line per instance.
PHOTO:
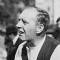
(31, 30)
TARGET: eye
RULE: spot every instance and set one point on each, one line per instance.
(19, 19)
(25, 22)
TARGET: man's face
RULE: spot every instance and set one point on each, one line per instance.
(27, 24)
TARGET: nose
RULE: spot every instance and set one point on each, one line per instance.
(20, 24)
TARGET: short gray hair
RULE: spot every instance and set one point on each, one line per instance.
(43, 18)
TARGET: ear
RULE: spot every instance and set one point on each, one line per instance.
(39, 28)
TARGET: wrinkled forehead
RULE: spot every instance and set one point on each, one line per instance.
(28, 13)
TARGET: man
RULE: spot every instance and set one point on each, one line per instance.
(32, 27)
(12, 41)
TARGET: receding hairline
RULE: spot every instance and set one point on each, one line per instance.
(29, 11)
(34, 11)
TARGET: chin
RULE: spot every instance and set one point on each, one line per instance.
(23, 39)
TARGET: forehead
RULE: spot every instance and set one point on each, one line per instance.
(28, 13)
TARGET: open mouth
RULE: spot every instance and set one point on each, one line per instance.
(20, 33)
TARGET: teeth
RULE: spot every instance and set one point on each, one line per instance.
(21, 31)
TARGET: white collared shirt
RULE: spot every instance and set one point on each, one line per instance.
(19, 50)
(15, 39)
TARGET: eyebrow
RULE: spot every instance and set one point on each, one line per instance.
(24, 21)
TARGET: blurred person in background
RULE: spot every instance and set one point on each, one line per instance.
(3, 54)
(56, 32)
(11, 41)
(50, 30)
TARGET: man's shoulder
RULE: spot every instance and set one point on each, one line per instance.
(52, 40)
(52, 46)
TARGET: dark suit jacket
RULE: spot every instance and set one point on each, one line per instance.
(47, 48)
(13, 50)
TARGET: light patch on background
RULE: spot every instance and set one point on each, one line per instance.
(48, 6)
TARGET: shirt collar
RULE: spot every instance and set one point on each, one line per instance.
(15, 39)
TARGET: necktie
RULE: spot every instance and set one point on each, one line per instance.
(24, 53)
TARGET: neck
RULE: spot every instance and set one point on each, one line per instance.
(38, 40)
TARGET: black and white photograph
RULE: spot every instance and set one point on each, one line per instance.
(29, 29)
